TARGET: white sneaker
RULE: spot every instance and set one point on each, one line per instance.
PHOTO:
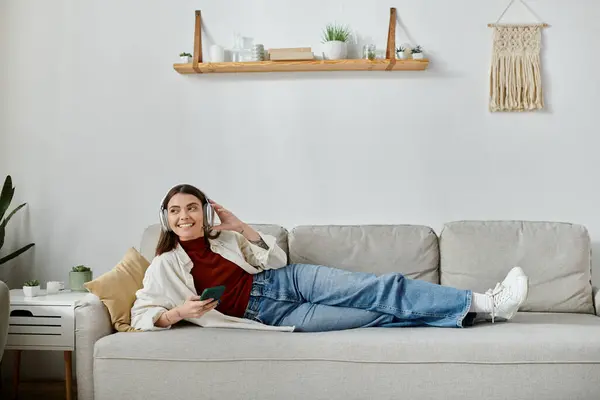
(509, 295)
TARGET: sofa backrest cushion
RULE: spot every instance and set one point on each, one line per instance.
(556, 257)
(152, 233)
(408, 249)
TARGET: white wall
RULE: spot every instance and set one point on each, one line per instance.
(96, 125)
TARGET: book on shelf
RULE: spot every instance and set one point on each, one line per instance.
(291, 54)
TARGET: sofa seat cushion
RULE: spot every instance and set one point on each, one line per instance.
(530, 338)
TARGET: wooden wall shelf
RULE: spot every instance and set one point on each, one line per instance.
(388, 64)
(303, 66)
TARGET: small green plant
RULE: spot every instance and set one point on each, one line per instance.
(185, 55)
(5, 198)
(32, 283)
(417, 50)
(81, 268)
(400, 49)
(335, 32)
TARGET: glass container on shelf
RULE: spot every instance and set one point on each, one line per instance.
(369, 52)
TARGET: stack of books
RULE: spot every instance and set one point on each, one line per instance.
(291, 54)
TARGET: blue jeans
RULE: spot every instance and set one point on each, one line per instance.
(317, 298)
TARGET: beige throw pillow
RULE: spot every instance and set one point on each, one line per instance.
(116, 288)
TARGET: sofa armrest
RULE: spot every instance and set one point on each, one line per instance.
(596, 294)
(4, 315)
(92, 322)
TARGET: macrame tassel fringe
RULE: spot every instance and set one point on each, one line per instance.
(516, 78)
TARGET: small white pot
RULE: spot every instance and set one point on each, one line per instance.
(417, 56)
(401, 56)
(31, 291)
(186, 60)
(335, 50)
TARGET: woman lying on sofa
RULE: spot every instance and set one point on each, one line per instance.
(262, 292)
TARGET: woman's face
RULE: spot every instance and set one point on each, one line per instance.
(185, 216)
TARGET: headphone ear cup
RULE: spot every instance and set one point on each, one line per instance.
(209, 214)
(164, 221)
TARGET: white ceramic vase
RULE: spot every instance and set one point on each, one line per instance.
(401, 56)
(186, 60)
(335, 50)
(31, 291)
(417, 56)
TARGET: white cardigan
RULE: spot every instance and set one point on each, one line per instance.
(168, 282)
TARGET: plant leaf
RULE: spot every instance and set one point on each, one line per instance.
(6, 196)
(2, 231)
(16, 253)
(13, 212)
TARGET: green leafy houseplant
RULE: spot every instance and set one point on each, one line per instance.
(401, 52)
(417, 53)
(31, 288)
(6, 197)
(334, 42)
(185, 57)
(78, 277)
(336, 33)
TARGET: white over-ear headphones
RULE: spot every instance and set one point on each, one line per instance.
(207, 210)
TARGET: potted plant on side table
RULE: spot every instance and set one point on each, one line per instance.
(31, 288)
(335, 38)
(78, 276)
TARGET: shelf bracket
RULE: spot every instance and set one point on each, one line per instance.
(390, 52)
(197, 59)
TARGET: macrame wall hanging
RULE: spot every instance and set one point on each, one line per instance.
(515, 75)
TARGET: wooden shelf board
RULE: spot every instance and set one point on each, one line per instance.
(304, 66)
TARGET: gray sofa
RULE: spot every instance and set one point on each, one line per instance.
(551, 350)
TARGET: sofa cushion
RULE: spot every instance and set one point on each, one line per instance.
(152, 233)
(528, 338)
(409, 249)
(117, 288)
(556, 257)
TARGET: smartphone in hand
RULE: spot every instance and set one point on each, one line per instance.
(214, 293)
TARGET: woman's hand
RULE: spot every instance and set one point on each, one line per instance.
(195, 308)
(229, 222)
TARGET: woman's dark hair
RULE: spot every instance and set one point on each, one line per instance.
(168, 240)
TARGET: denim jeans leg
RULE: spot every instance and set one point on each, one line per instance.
(410, 301)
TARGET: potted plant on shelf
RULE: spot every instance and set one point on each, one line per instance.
(186, 58)
(417, 53)
(31, 288)
(401, 53)
(335, 38)
(78, 276)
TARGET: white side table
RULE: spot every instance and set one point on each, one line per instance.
(44, 322)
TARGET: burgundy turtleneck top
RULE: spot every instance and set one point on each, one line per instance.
(211, 269)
